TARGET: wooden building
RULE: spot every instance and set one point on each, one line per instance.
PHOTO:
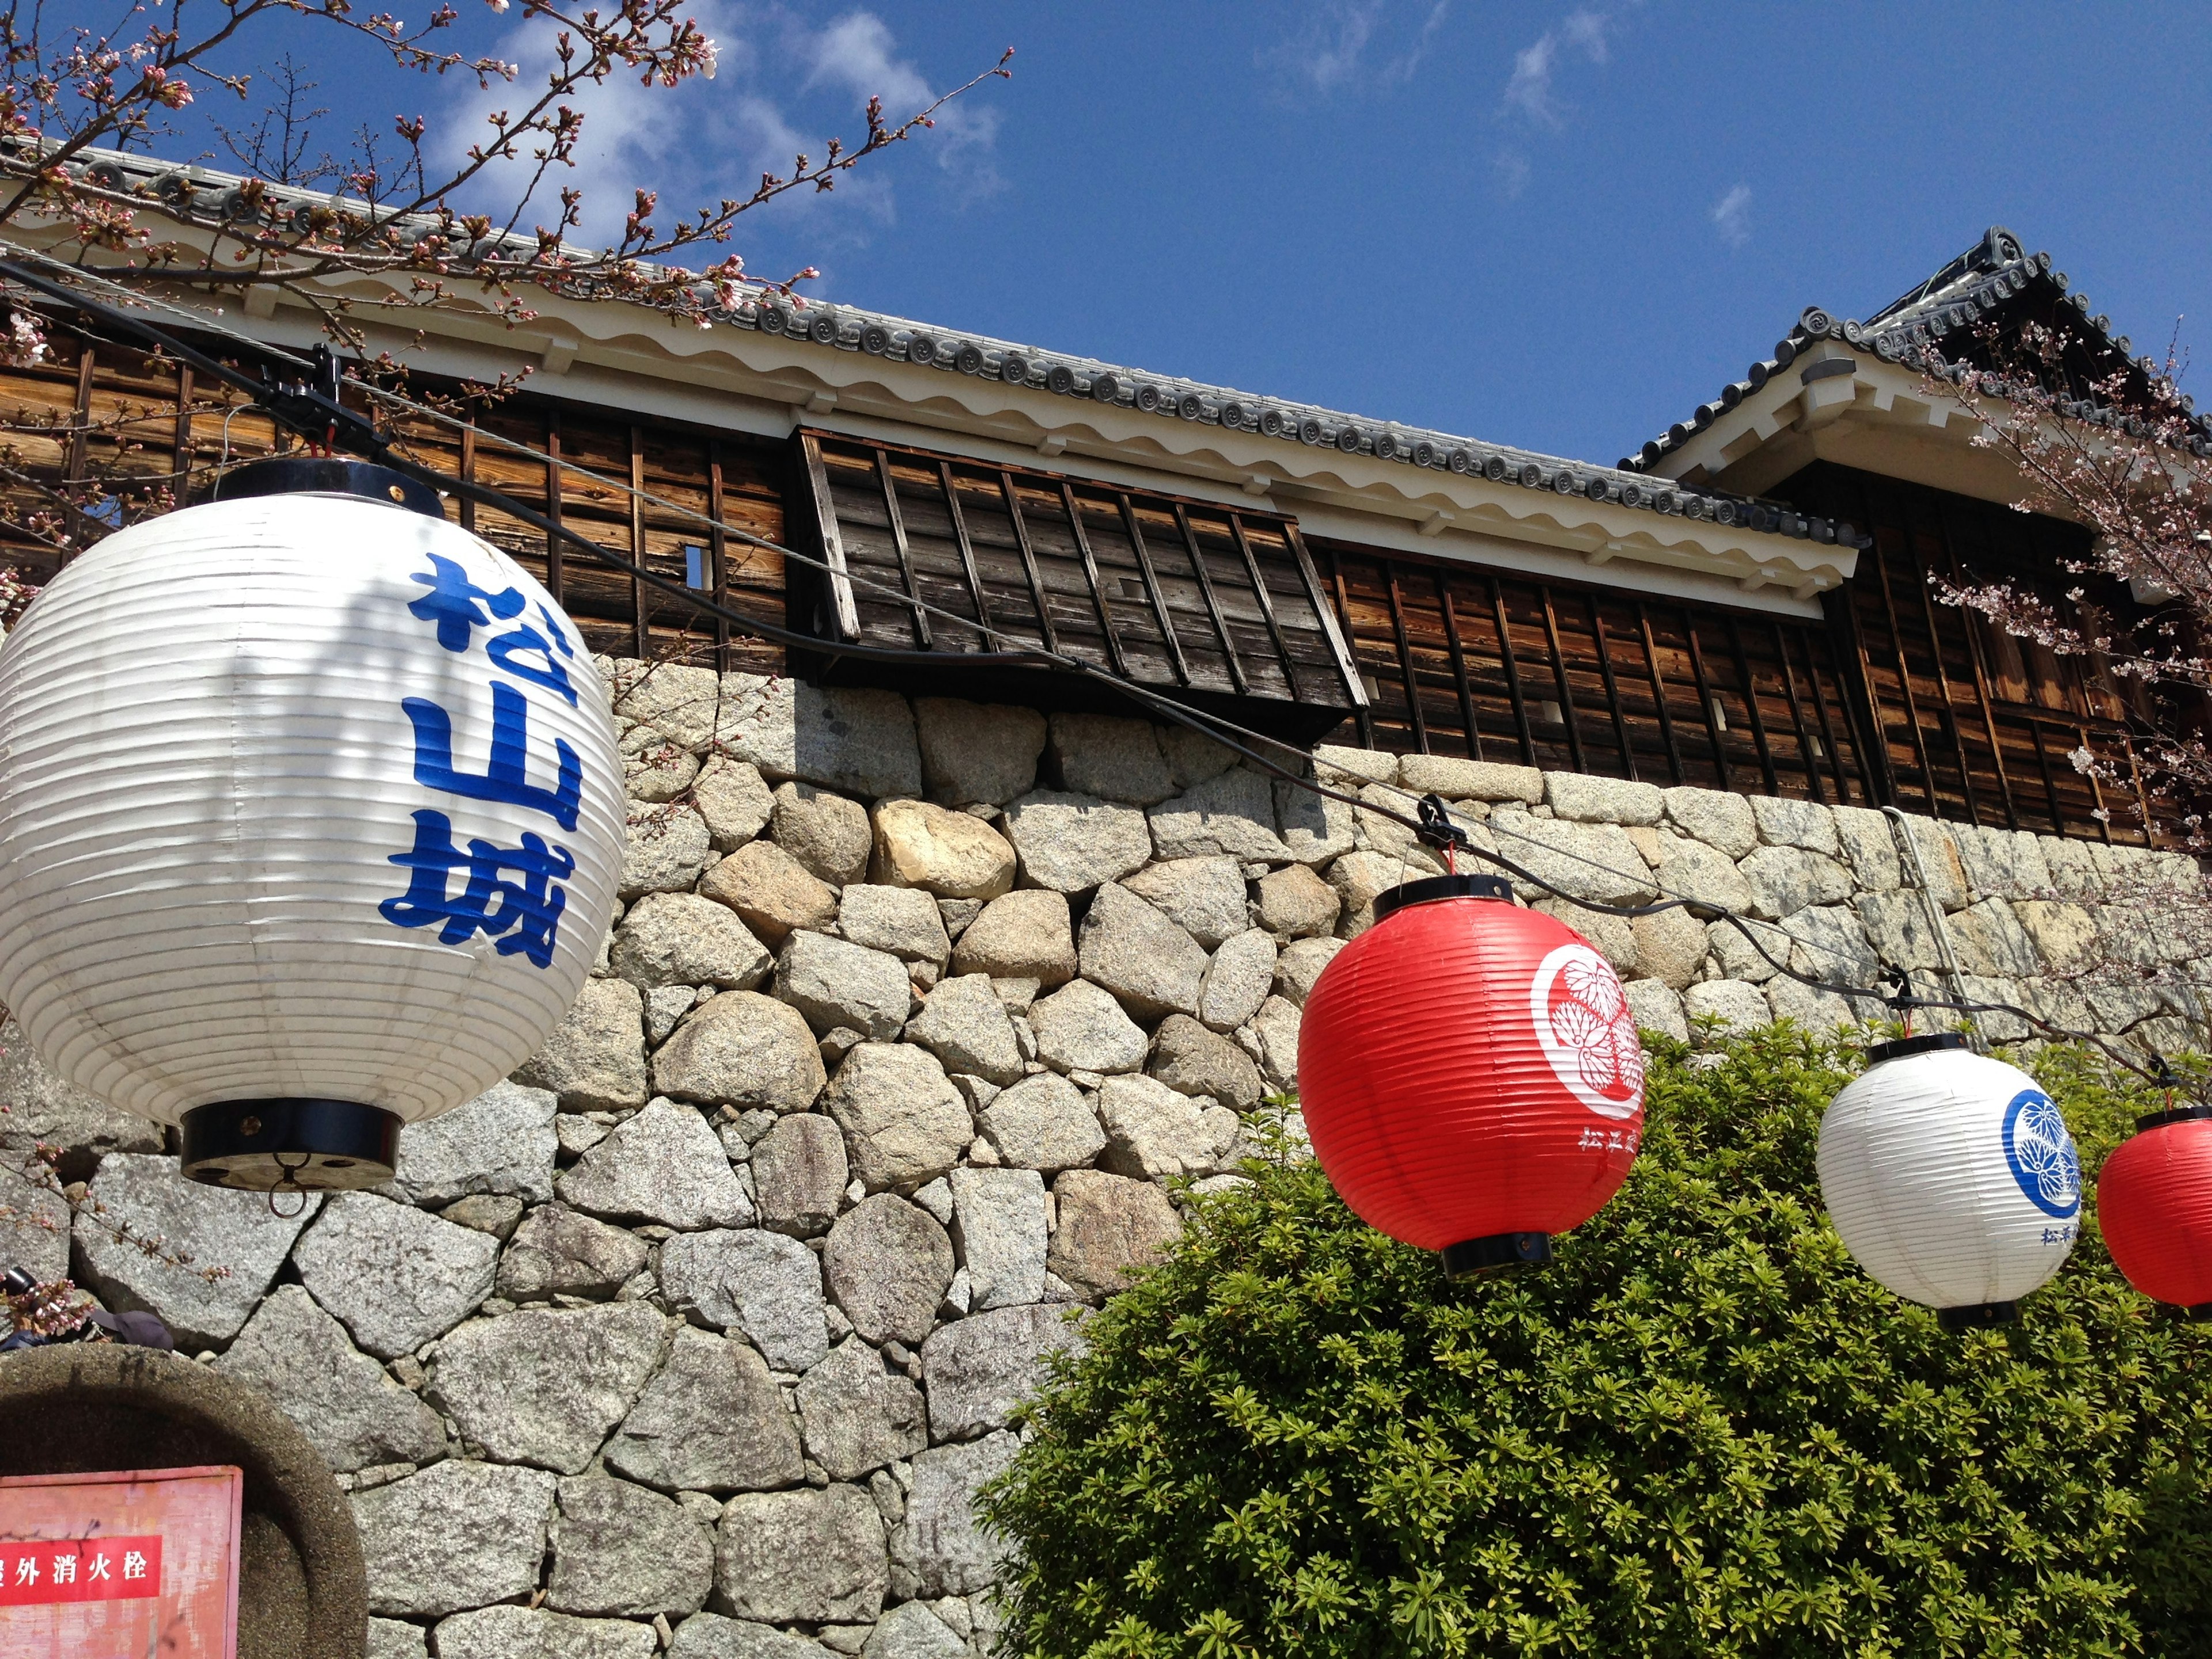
(1746, 604)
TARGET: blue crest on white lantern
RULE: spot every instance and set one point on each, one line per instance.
(2041, 1153)
(310, 808)
(1950, 1178)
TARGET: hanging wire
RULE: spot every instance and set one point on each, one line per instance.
(1438, 828)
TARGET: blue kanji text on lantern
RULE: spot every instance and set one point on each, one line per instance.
(510, 893)
(459, 606)
(507, 777)
(503, 649)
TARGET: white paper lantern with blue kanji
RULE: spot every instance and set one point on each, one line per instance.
(310, 819)
(1951, 1177)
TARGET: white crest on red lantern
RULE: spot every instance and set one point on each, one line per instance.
(1587, 1030)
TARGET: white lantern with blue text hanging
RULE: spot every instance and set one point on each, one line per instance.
(1950, 1178)
(311, 820)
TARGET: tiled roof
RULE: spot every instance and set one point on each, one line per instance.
(1989, 277)
(203, 193)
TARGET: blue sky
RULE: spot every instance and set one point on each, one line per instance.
(1560, 227)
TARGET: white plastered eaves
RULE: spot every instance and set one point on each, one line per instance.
(1788, 402)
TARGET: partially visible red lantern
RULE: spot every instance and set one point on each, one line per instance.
(1471, 1075)
(2155, 1205)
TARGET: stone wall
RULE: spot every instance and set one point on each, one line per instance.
(700, 1333)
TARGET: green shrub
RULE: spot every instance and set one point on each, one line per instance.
(1704, 1432)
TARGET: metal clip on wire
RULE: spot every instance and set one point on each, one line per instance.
(1901, 1001)
(289, 1183)
(1437, 830)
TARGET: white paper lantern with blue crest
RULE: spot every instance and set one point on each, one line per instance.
(1950, 1178)
(311, 819)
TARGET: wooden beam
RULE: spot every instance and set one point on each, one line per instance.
(1705, 699)
(1904, 683)
(1805, 755)
(1611, 689)
(553, 570)
(88, 360)
(1512, 673)
(468, 515)
(1363, 714)
(1827, 726)
(844, 614)
(1559, 678)
(1659, 692)
(918, 619)
(2143, 796)
(1862, 705)
(1405, 659)
(1459, 664)
(1266, 605)
(1152, 589)
(180, 450)
(1091, 575)
(718, 552)
(639, 626)
(1045, 629)
(2103, 816)
(1764, 750)
(2050, 781)
(1212, 605)
(1338, 637)
(989, 640)
(1982, 694)
(1935, 651)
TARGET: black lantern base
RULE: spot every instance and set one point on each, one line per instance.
(267, 1146)
(1476, 1257)
(1978, 1316)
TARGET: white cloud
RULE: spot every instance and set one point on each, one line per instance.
(1528, 92)
(1346, 43)
(1731, 216)
(781, 87)
(1511, 167)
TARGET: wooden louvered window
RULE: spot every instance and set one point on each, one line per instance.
(1182, 595)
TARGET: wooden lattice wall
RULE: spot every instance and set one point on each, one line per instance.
(1896, 699)
(1976, 725)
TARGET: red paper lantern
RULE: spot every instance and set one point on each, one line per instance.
(2155, 1204)
(1470, 1074)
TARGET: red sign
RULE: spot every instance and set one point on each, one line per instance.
(100, 1566)
(80, 1570)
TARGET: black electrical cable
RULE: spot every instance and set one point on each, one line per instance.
(318, 415)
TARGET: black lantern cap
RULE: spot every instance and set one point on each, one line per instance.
(1978, 1316)
(328, 475)
(1930, 1043)
(1478, 1258)
(2170, 1114)
(268, 1146)
(1430, 889)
